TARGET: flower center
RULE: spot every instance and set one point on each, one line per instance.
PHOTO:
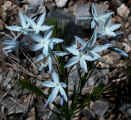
(81, 54)
(57, 84)
(44, 42)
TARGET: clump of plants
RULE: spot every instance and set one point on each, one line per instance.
(59, 59)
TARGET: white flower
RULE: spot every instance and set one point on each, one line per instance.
(96, 18)
(37, 27)
(107, 28)
(45, 43)
(88, 52)
(49, 61)
(24, 28)
(58, 87)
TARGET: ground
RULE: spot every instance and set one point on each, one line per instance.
(113, 70)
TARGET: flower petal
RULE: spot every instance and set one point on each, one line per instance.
(43, 65)
(83, 65)
(110, 33)
(41, 19)
(48, 84)
(82, 42)
(121, 52)
(93, 24)
(99, 48)
(50, 64)
(48, 35)
(115, 27)
(63, 84)
(45, 27)
(56, 40)
(8, 47)
(89, 58)
(37, 47)
(95, 55)
(61, 100)
(93, 10)
(92, 41)
(72, 50)
(60, 53)
(45, 50)
(37, 38)
(105, 16)
(14, 28)
(22, 19)
(55, 77)
(62, 92)
(72, 61)
(40, 57)
(31, 22)
(52, 96)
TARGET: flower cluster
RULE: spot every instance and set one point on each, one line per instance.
(88, 52)
(46, 44)
(81, 51)
(102, 23)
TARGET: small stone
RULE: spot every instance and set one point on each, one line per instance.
(123, 11)
(1, 25)
(111, 58)
(129, 37)
(127, 47)
(100, 107)
(60, 3)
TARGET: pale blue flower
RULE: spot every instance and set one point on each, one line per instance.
(45, 43)
(24, 28)
(49, 61)
(88, 52)
(58, 87)
(108, 28)
(11, 44)
(37, 27)
(95, 17)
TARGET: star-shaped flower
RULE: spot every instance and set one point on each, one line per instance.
(58, 87)
(45, 43)
(107, 28)
(12, 44)
(95, 17)
(88, 52)
(49, 61)
(37, 27)
(24, 28)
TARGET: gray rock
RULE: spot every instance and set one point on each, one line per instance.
(34, 7)
(123, 11)
(100, 107)
(97, 78)
(60, 3)
(73, 79)
(129, 37)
